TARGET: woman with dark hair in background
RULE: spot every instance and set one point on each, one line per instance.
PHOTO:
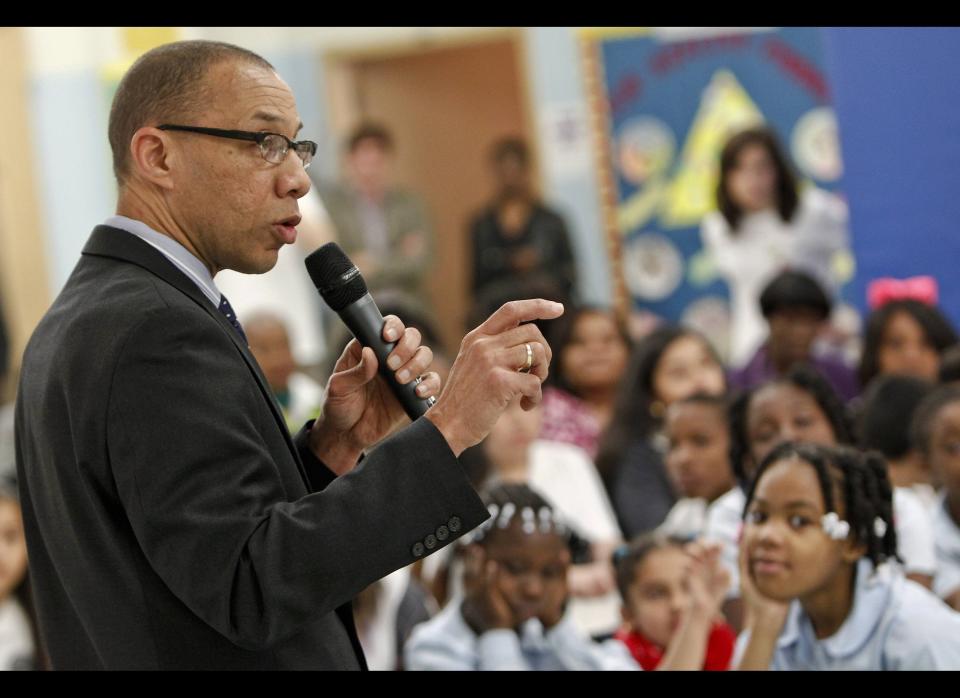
(763, 223)
(669, 364)
(905, 337)
(590, 350)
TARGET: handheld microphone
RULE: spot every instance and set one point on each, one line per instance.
(344, 290)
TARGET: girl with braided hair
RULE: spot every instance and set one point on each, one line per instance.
(513, 612)
(818, 532)
(802, 406)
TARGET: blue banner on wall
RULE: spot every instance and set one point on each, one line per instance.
(672, 105)
(898, 105)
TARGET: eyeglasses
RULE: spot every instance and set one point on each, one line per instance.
(273, 146)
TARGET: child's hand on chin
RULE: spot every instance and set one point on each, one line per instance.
(485, 607)
(759, 608)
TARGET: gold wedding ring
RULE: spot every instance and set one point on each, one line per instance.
(529, 364)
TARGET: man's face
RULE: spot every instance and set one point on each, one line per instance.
(369, 165)
(512, 176)
(236, 208)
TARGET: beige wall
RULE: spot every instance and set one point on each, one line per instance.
(23, 272)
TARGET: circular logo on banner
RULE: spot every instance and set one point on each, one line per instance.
(652, 266)
(644, 148)
(816, 145)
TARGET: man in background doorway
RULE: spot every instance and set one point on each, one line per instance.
(383, 229)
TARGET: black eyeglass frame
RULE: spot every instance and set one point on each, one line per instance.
(257, 137)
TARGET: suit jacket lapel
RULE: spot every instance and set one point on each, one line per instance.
(114, 243)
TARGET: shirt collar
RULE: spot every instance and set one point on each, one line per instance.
(871, 597)
(178, 255)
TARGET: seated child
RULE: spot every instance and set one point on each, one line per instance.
(697, 462)
(936, 434)
(818, 531)
(512, 615)
(803, 407)
(671, 597)
(884, 425)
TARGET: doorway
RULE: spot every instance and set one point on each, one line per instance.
(445, 106)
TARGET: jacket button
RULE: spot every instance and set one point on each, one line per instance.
(443, 533)
(430, 541)
(418, 549)
(454, 524)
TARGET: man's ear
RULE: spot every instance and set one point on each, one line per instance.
(152, 156)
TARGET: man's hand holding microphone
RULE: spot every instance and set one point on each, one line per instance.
(504, 358)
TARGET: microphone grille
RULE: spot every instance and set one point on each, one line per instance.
(335, 276)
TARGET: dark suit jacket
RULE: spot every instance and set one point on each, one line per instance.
(171, 521)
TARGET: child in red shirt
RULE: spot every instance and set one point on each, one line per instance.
(672, 592)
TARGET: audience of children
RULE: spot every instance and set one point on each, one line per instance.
(905, 336)
(796, 309)
(590, 350)
(669, 364)
(299, 396)
(564, 475)
(818, 587)
(886, 413)
(672, 591)
(936, 435)
(19, 646)
(513, 611)
(698, 462)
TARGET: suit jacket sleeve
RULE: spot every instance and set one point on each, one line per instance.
(211, 512)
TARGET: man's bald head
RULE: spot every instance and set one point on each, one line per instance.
(166, 85)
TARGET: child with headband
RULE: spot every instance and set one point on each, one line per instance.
(512, 614)
(818, 531)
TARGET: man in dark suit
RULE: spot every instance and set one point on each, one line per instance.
(171, 519)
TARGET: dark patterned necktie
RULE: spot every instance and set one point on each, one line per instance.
(228, 313)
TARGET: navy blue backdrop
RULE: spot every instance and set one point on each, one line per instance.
(896, 92)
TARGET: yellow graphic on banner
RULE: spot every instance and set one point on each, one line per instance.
(725, 109)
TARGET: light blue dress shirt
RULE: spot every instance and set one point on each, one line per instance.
(894, 624)
(447, 643)
(178, 255)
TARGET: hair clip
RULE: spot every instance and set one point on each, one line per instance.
(506, 514)
(528, 523)
(620, 552)
(834, 527)
(879, 527)
(546, 520)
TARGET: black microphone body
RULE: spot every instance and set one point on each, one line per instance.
(343, 289)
